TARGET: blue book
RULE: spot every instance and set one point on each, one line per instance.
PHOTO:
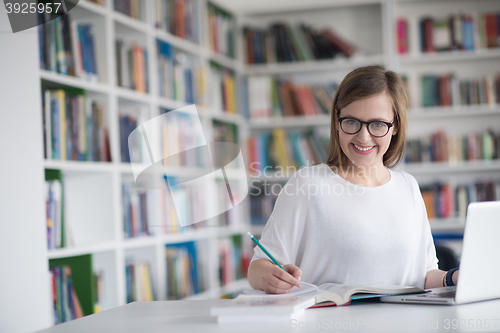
(56, 144)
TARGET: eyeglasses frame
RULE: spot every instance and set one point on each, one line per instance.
(389, 125)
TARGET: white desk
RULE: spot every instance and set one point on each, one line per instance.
(193, 316)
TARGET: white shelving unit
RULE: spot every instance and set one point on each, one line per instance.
(93, 190)
(379, 47)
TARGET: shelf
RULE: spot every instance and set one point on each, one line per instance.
(75, 251)
(130, 22)
(73, 81)
(447, 224)
(446, 168)
(138, 242)
(223, 116)
(436, 57)
(79, 166)
(454, 112)
(133, 95)
(297, 121)
(224, 61)
(179, 43)
(335, 64)
(169, 170)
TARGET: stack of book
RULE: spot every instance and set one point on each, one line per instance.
(441, 147)
(262, 201)
(283, 149)
(232, 263)
(272, 97)
(66, 305)
(67, 47)
(448, 90)
(185, 270)
(222, 89)
(75, 126)
(139, 282)
(289, 43)
(179, 18)
(449, 200)
(132, 66)
(130, 8)
(181, 75)
(221, 27)
(471, 31)
(180, 133)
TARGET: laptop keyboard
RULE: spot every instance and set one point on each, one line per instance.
(445, 294)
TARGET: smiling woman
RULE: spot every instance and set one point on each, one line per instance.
(377, 233)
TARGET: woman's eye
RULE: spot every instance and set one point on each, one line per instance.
(378, 124)
(351, 122)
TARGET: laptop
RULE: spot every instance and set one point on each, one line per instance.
(479, 269)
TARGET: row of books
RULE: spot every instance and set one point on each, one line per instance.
(272, 97)
(65, 303)
(233, 264)
(67, 47)
(75, 126)
(283, 42)
(471, 31)
(222, 89)
(181, 76)
(441, 147)
(448, 90)
(132, 8)
(139, 283)
(179, 132)
(262, 202)
(147, 212)
(450, 200)
(283, 149)
(58, 230)
(178, 17)
(221, 27)
(185, 270)
(132, 66)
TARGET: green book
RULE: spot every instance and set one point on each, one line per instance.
(82, 277)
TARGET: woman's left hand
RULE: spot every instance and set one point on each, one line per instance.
(454, 277)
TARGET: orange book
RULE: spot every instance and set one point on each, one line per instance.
(180, 19)
(139, 69)
(428, 197)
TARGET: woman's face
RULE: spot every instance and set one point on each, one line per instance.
(363, 149)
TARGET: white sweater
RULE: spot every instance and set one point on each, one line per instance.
(339, 232)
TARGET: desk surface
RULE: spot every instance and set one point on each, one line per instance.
(193, 316)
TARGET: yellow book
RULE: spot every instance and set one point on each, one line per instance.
(230, 94)
(280, 146)
(148, 290)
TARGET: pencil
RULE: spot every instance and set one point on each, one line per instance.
(265, 251)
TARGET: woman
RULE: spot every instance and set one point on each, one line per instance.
(353, 220)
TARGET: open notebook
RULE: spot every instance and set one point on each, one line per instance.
(340, 294)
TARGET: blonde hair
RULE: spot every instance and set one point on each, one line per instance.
(365, 82)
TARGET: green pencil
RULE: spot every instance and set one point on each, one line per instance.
(265, 251)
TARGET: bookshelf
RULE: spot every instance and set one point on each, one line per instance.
(130, 95)
(381, 46)
(369, 25)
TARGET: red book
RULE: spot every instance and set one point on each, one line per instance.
(490, 24)
(180, 19)
(428, 40)
(339, 43)
(402, 35)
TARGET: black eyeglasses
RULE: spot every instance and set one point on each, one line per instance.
(376, 128)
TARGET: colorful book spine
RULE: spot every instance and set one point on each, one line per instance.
(283, 149)
(179, 18)
(222, 89)
(459, 31)
(132, 8)
(185, 270)
(449, 90)
(75, 127)
(232, 261)
(139, 282)
(283, 42)
(131, 66)
(441, 147)
(221, 27)
(272, 97)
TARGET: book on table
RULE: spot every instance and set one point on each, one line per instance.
(257, 306)
(337, 294)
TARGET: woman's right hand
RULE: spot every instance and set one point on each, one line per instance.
(274, 280)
